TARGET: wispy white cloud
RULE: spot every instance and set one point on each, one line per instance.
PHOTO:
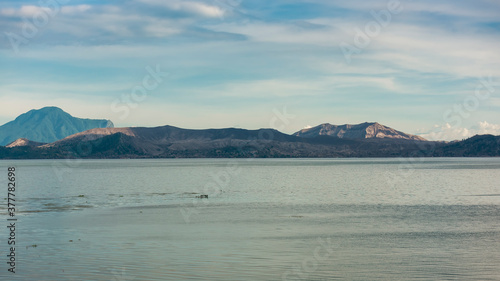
(26, 11)
(272, 88)
(479, 9)
(161, 29)
(426, 49)
(110, 24)
(41, 12)
(448, 132)
(75, 9)
(295, 87)
(285, 33)
(192, 7)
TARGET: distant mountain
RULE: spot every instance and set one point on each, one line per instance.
(173, 142)
(168, 141)
(47, 125)
(359, 131)
(24, 142)
(476, 146)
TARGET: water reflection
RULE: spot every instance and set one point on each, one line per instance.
(122, 220)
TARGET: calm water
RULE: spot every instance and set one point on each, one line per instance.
(301, 219)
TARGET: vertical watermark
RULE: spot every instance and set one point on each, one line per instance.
(11, 218)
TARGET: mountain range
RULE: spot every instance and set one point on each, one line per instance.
(326, 140)
(359, 131)
(47, 125)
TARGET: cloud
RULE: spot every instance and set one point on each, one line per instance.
(477, 10)
(273, 88)
(40, 12)
(75, 9)
(161, 29)
(189, 7)
(402, 45)
(26, 11)
(449, 133)
(145, 21)
(229, 53)
(480, 9)
(296, 87)
(284, 32)
(487, 128)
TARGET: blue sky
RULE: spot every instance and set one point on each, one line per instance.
(423, 67)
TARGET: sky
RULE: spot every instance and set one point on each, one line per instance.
(430, 68)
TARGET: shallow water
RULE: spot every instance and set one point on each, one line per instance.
(272, 219)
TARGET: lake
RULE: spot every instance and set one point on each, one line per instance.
(264, 219)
